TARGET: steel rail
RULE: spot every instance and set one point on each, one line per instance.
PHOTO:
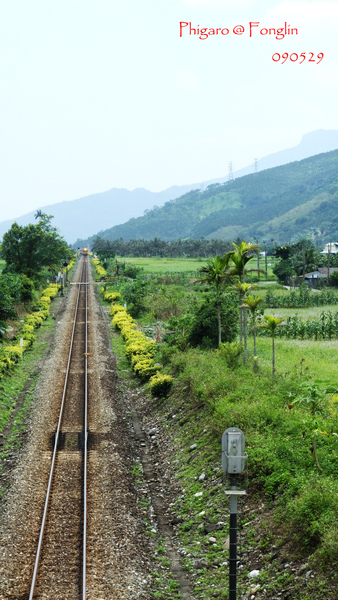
(85, 450)
(45, 511)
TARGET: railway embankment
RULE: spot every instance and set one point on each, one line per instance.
(120, 560)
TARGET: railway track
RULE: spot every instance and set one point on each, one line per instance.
(60, 562)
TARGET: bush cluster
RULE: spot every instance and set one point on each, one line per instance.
(110, 296)
(11, 353)
(100, 271)
(140, 351)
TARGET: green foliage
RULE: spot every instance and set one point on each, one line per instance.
(130, 270)
(284, 270)
(311, 396)
(311, 512)
(14, 287)
(7, 309)
(134, 294)
(28, 249)
(204, 327)
(231, 352)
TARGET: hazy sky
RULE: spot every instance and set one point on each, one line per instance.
(98, 94)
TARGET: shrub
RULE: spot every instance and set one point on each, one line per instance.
(160, 385)
(140, 347)
(13, 352)
(100, 271)
(115, 308)
(111, 296)
(231, 352)
(204, 329)
(51, 291)
(145, 368)
(310, 512)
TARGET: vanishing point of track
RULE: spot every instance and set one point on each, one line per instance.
(62, 539)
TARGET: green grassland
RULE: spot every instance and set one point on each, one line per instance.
(318, 358)
(159, 265)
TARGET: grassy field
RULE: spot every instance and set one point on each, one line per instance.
(164, 265)
(318, 357)
(159, 265)
(303, 313)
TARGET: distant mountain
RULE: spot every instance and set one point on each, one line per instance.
(84, 217)
(285, 203)
(312, 143)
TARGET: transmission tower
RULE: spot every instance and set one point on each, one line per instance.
(256, 165)
(230, 172)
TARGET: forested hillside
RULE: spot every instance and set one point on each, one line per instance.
(296, 200)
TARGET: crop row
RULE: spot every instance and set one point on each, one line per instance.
(326, 327)
(303, 298)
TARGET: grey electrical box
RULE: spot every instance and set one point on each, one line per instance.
(233, 454)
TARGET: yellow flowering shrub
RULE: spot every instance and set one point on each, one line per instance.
(145, 368)
(112, 296)
(142, 346)
(51, 291)
(160, 385)
(114, 308)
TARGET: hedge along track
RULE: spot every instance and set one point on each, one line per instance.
(60, 563)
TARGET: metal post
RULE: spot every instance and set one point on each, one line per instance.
(233, 543)
(233, 464)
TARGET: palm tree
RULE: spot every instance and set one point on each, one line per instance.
(252, 303)
(239, 258)
(271, 324)
(214, 274)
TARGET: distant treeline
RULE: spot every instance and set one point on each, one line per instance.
(157, 247)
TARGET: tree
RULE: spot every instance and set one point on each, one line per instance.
(28, 249)
(203, 330)
(252, 303)
(214, 275)
(7, 308)
(271, 324)
(297, 259)
(103, 249)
